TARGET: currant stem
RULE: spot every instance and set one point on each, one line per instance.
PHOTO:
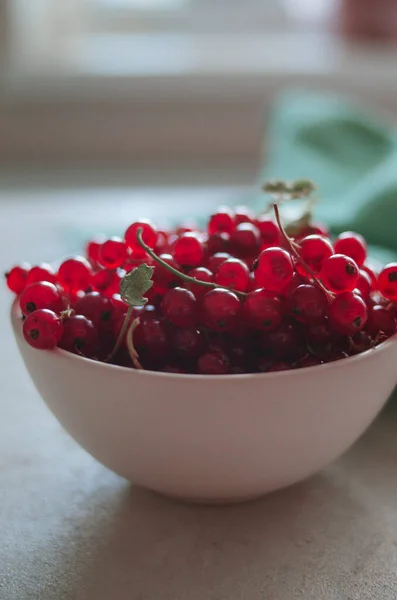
(294, 249)
(182, 276)
(121, 334)
(130, 344)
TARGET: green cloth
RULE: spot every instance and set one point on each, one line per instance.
(351, 155)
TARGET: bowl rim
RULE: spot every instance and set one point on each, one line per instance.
(96, 364)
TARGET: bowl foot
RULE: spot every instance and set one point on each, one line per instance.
(208, 501)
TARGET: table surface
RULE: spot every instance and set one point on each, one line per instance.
(71, 530)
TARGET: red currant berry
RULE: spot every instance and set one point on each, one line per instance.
(189, 250)
(119, 306)
(202, 274)
(274, 269)
(278, 366)
(174, 369)
(95, 307)
(309, 304)
(223, 220)
(315, 229)
(162, 244)
(364, 284)
(348, 313)
(213, 363)
(220, 309)
(245, 240)
(79, 336)
(42, 329)
(353, 245)
(40, 295)
(242, 214)
(163, 279)
(296, 281)
(263, 310)
(269, 230)
(43, 272)
(318, 334)
(16, 278)
(381, 319)
(92, 251)
(106, 282)
(149, 236)
(216, 260)
(180, 307)
(314, 250)
(372, 275)
(234, 274)
(75, 274)
(188, 344)
(387, 281)
(339, 273)
(113, 253)
(284, 343)
(218, 242)
(151, 338)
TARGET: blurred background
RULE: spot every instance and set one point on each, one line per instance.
(172, 83)
(145, 106)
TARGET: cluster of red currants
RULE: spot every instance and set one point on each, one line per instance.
(239, 297)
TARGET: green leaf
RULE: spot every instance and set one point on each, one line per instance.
(135, 284)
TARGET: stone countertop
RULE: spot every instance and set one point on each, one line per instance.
(71, 530)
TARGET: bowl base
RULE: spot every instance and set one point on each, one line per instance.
(209, 501)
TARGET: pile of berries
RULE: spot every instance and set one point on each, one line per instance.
(240, 296)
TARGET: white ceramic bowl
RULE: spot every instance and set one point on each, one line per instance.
(213, 438)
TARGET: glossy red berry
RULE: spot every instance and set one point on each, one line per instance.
(106, 282)
(381, 319)
(96, 308)
(216, 260)
(263, 310)
(92, 251)
(222, 220)
(165, 280)
(220, 309)
(353, 245)
(75, 274)
(218, 242)
(188, 344)
(151, 338)
(213, 363)
(348, 313)
(40, 295)
(339, 273)
(387, 281)
(113, 253)
(245, 240)
(42, 329)
(162, 244)
(43, 272)
(274, 269)
(189, 250)
(309, 304)
(269, 230)
(242, 214)
(374, 278)
(233, 274)
(149, 236)
(319, 334)
(364, 284)
(313, 229)
(202, 274)
(16, 278)
(118, 304)
(180, 307)
(283, 343)
(79, 336)
(314, 250)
